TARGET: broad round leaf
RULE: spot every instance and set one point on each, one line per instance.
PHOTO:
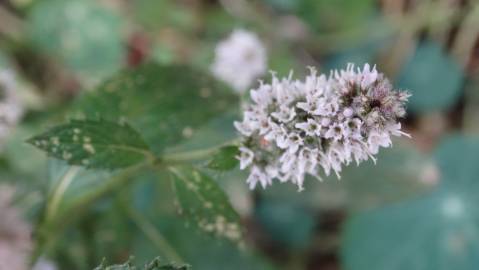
(395, 177)
(85, 35)
(288, 224)
(437, 231)
(433, 78)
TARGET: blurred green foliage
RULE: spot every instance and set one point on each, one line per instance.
(328, 15)
(159, 101)
(83, 34)
(288, 224)
(154, 265)
(434, 79)
(437, 231)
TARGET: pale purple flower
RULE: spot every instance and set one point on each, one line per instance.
(293, 127)
(256, 176)
(310, 127)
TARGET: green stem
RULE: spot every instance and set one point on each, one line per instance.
(55, 220)
(118, 180)
(189, 155)
(195, 154)
(51, 211)
(60, 189)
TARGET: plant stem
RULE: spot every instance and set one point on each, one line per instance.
(56, 198)
(53, 216)
(189, 155)
(195, 154)
(115, 181)
(52, 207)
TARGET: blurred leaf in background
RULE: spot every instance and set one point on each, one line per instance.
(437, 231)
(288, 224)
(335, 15)
(328, 15)
(166, 113)
(86, 36)
(160, 13)
(395, 177)
(434, 79)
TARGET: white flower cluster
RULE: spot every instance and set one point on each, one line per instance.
(293, 127)
(239, 60)
(11, 109)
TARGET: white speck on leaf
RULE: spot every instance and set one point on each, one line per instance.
(89, 148)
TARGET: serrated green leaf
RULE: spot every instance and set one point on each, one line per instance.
(94, 144)
(156, 264)
(166, 103)
(205, 204)
(225, 159)
(437, 231)
(125, 266)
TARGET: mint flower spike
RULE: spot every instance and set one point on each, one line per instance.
(296, 127)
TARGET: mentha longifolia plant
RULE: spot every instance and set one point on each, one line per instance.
(290, 128)
(293, 128)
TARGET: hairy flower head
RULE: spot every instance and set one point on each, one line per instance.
(297, 127)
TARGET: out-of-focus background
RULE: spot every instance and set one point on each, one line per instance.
(415, 209)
